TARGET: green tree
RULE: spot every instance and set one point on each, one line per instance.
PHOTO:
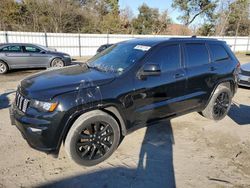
(194, 8)
(238, 22)
(9, 15)
(150, 21)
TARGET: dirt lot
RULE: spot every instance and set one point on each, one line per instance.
(188, 151)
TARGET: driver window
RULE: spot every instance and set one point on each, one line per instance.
(31, 49)
(168, 57)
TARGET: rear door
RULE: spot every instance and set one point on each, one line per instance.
(37, 57)
(199, 73)
(158, 97)
(14, 56)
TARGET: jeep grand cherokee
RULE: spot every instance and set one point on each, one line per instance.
(90, 107)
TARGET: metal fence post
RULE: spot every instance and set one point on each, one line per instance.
(248, 43)
(46, 39)
(235, 41)
(108, 38)
(6, 37)
(79, 43)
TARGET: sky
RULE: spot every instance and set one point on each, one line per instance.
(160, 4)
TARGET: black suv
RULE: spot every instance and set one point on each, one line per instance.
(91, 107)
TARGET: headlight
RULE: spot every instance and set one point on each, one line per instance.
(44, 106)
(66, 56)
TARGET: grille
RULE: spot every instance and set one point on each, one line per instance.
(246, 73)
(21, 102)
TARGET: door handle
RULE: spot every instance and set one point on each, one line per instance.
(212, 69)
(179, 75)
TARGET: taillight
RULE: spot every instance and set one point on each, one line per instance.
(238, 67)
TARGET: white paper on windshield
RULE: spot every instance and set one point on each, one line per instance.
(141, 47)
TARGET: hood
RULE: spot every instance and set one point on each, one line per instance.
(57, 53)
(245, 67)
(47, 84)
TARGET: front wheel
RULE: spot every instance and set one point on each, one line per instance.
(93, 138)
(219, 104)
(57, 62)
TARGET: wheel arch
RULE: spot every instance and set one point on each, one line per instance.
(56, 57)
(111, 110)
(8, 67)
(229, 83)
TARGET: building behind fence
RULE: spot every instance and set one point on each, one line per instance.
(87, 44)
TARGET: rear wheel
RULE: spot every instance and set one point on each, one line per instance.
(219, 104)
(3, 67)
(57, 62)
(93, 138)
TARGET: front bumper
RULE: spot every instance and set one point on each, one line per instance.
(39, 133)
(244, 80)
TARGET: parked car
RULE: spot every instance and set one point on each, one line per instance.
(89, 108)
(103, 47)
(21, 55)
(244, 75)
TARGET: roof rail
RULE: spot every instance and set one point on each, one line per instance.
(194, 36)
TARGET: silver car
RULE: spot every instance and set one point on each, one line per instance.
(244, 75)
(22, 55)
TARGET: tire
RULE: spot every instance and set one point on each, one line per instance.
(57, 62)
(3, 67)
(83, 138)
(216, 108)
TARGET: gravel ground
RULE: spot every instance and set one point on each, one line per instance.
(188, 151)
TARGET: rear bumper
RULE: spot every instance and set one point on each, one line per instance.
(36, 132)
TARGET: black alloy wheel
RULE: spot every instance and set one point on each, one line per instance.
(221, 104)
(95, 141)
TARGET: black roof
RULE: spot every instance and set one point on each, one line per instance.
(157, 40)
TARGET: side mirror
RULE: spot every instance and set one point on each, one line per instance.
(42, 52)
(149, 70)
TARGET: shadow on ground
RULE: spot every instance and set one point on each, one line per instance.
(240, 114)
(4, 100)
(155, 166)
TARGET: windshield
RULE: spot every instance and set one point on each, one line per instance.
(46, 48)
(118, 57)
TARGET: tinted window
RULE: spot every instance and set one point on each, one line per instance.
(196, 54)
(118, 57)
(11, 49)
(31, 49)
(219, 52)
(168, 57)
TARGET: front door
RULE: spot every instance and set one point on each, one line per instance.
(160, 96)
(37, 57)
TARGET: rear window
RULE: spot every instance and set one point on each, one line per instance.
(218, 51)
(11, 49)
(196, 54)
